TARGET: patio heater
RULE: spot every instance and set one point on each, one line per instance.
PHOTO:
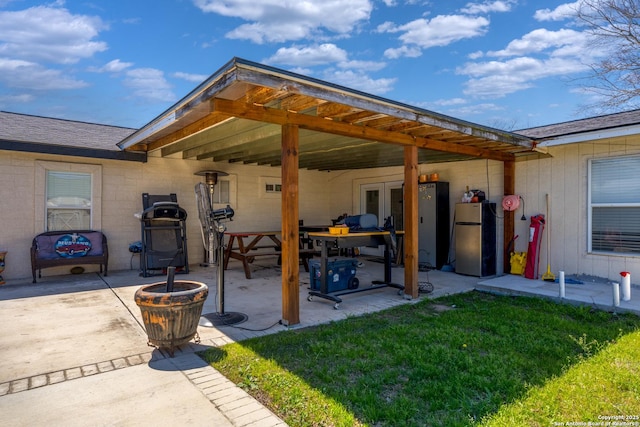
(210, 179)
(213, 240)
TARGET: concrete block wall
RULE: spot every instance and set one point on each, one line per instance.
(122, 186)
(323, 196)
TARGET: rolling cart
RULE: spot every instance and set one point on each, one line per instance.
(331, 288)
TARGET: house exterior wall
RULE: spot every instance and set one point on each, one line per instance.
(323, 196)
(564, 176)
(122, 186)
(485, 175)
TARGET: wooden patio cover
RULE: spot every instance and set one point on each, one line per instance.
(255, 114)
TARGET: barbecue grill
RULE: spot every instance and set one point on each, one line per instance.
(164, 235)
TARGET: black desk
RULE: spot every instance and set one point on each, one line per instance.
(351, 240)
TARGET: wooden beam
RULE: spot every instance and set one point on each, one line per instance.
(222, 138)
(304, 121)
(290, 227)
(411, 222)
(206, 122)
(509, 216)
(233, 142)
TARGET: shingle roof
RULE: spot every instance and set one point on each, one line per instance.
(22, 132)
(45, 130)
(609, 121)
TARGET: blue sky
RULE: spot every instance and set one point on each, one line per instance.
(509, 64)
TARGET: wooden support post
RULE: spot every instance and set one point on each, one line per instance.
(290, 227)
(411, 222)
(509, 217)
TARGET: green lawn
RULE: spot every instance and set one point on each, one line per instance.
(469, 359)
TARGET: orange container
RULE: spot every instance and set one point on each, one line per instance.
(339, 230)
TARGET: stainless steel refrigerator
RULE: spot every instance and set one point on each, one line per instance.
(475, 230)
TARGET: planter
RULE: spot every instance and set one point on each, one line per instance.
(171, 318)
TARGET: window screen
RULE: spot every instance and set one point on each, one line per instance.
(68, 201)
(615, 205)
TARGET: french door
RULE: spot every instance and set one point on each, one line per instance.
(383, 199)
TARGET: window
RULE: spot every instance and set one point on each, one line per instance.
(273, 188)
(68, 201)
(221, 193)
(270, 187)
(68, 196)
(614, 205)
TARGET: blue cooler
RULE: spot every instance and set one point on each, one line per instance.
(341, 274)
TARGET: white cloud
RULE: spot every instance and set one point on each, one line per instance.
(362, 65)
(441, 30)
(21, 74)
(49, 34)
(115, 66)
(360, 81)
(386, 27)
(323, 54)
(283, 20)
(260, 33)
(476, 55)
(308, 56)
(149, 84)
(452, 101)
(487, 6)
(402, 51)
(560, 13)
(475, 109)
(302, 70)
(542, 39)
(497, 79)
(537, 55)
(17, 99)
(196, 78)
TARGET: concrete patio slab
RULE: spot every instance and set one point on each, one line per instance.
(74, 349)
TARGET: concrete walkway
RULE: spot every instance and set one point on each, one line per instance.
(74, 350)
(74, 353)
(595, 292)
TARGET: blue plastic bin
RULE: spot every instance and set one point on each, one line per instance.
(341, 274)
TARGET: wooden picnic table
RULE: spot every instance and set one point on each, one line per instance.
(245, 246)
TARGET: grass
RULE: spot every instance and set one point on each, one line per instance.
(469, 359)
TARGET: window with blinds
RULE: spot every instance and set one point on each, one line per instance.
(614, 205)
(68, 201)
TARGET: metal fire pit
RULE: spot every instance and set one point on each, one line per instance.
(171, 318)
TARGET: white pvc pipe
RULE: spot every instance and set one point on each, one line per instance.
(561, 283)
(616, 294)
(626, 285)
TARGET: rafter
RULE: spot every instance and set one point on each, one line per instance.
(271, 115)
